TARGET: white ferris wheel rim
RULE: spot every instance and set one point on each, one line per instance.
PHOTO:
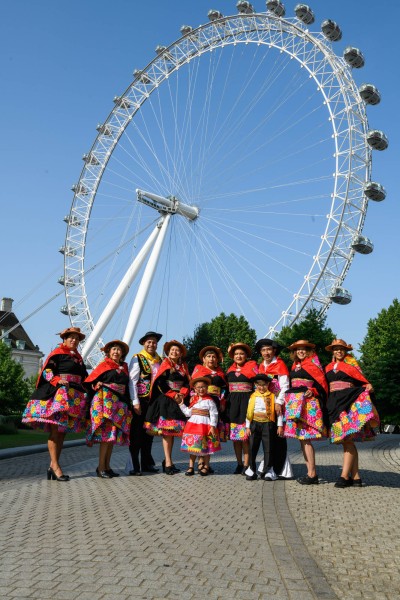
(352, 154)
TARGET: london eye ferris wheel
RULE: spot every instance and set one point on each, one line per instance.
(233, 174)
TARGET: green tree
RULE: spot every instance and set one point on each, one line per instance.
(312, 328)
(221, 331)
(14, 390)
(380, 361)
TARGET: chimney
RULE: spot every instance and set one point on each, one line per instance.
(6, 304)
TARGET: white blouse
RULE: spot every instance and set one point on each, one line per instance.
(206, 404)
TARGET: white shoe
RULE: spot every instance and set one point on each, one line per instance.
(271, 475)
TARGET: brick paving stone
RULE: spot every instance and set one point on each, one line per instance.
(220, 536)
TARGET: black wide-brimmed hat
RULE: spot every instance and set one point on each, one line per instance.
(267, 342)
(148, 335)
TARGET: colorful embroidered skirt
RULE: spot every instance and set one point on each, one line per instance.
(197, 440)
(238, 432)
(66, 409)
(304, 419)
(110, 419)
(356, 424)
(172, 427)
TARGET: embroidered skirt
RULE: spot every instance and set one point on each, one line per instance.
(110, 419)
(66, 409)
(197, 440)
(238, 432)
(304, 419)
(357, 423)
(164, 417)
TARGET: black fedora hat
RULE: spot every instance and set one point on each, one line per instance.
(267, 342)
(149, 334)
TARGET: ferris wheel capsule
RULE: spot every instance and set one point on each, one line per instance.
(331, 30)
(377, 139)
(369, 93)
(304, 14)
(354, 57)
(362, 244)
(186, 29)
(244, 7)
(214, 15)
(277, 7)
(340, 295)
(374, 191)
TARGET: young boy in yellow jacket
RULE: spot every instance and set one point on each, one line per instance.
(262, 424)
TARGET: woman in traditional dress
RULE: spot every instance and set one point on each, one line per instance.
(306, 403)
(240, 385)
(110, 414)
(274, 366)
(211, 357)
(200, 436)
(351, 412)
(58, 403)
(169, 388)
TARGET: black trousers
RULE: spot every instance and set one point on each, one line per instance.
(140, 442)
(261, 433)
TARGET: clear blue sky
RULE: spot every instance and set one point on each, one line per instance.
(61, 66)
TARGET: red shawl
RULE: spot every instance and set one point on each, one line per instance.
(274, 368)
(195, 399)
(249, 369)
(61, 349)
(107, 365)
(167, 365)
(350, 370)
(312, 365)
(202, 371)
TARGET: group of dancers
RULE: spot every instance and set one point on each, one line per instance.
(252, 404)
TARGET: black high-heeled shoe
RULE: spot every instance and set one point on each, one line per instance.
(103, 474)
(163, 465)
(51, 475)
(175, 469)
(169, 470)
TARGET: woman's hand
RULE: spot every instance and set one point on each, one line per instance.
(308, 394)
(64, 382)
(248, 431)
(369, 387)
(97, 386)
(179, 398)
(280, 431)
(213, 431)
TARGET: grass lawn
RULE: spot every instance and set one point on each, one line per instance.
(29, 437)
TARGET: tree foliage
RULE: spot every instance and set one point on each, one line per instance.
(380, 361)
(312, 328)
(221, 331)
(14, 390)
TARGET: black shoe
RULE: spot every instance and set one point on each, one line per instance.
(150, 469)
(190, 472)
(112, 473)
(244, 469)
(343, 483)
(175, 469)
(135, 472)
(169, 470)
(356, 482)
(211, 470)
(253, 477)
(103, 474)
(51, 475)
(307, 480)
(238, 470)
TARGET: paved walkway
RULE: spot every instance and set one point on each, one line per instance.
(213, 537)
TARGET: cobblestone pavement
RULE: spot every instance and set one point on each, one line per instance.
(200, 537)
